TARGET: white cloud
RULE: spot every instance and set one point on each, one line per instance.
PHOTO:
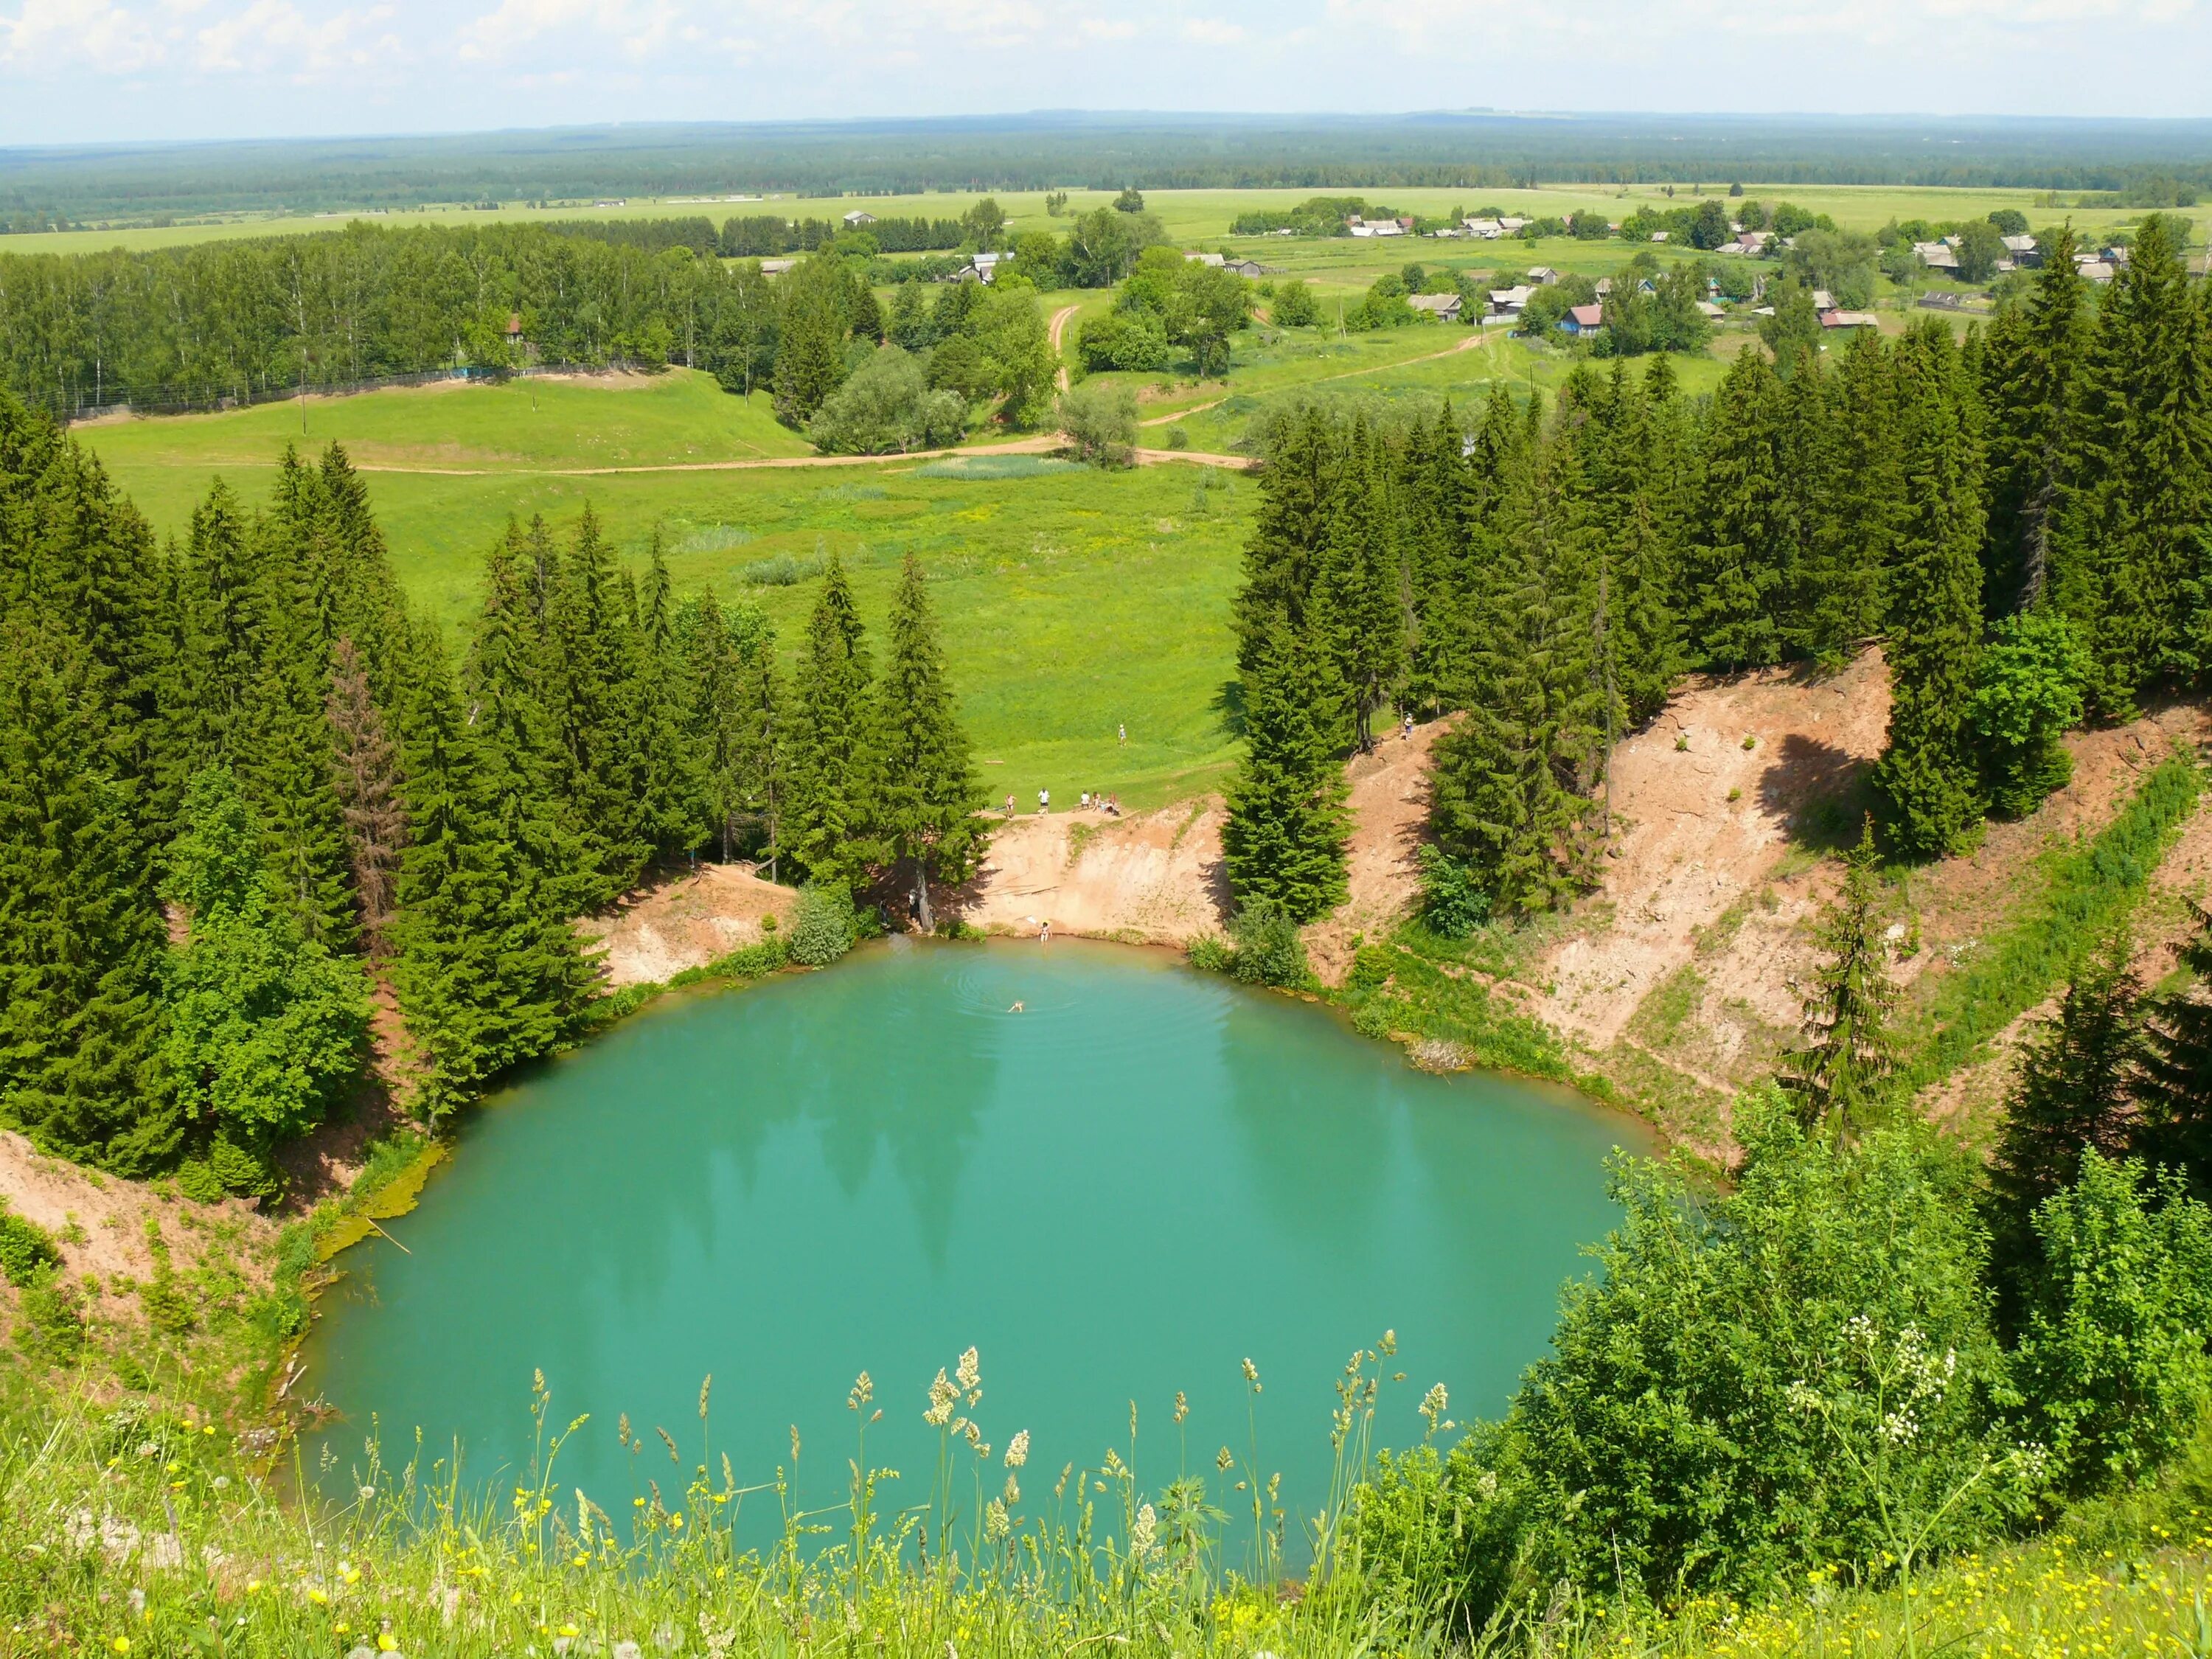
(1107, 29)
(1212, 31)
(49, 36)
(275, 36)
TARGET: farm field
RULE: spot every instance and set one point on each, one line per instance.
(1190, 216)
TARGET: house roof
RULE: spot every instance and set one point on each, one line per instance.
(1658, 235)
(1587, 316)
(777, 267)
(1510, 297)
(1823, 300)
(1712, 310)
(1203, 258)
(1443, 305)
(2019, 244)
(2095, 271)
(1833, 318)
(860, 217)
(1542, 274)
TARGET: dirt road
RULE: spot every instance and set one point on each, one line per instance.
(1059, 321)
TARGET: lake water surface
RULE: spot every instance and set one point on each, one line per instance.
(1124, 1190)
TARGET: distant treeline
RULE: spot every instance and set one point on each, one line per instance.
(1042, 152)
(186, 326)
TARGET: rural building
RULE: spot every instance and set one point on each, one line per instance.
(1823, 300)
(1543, 275)
(1487, 230)
(1604, 286)
(1936, 256)
(978, 269)
(2024, 252)
(858, 217)
(1249, 268)
(2093, 271)
(1943, 302)
(1658, 235)
(1749, 241)
(1444, 307)
(1360, 226)
(1510, 301)
(1509, 224)
(1582, 320)
(1707, 308)
(1203, 258)
(1845, 319)
(777, 267)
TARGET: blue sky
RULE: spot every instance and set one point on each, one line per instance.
(80, 71)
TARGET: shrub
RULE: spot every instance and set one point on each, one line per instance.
(24, 1247)
(1451, 903)
(1211, 953)
(1178, 437)
(1125, 340)
(2028, 692)
(1295, 305)
(2113, 1362)
(823, 930)
(1100, 421)
(56, 1321)
(1268, 948)
(885, 407)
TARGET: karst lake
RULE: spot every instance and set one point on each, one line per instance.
(1115, 1177)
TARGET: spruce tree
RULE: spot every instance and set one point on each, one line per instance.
(1436, 553)
(2030, 370)
(368, 791)
(1851, 542)
(366, 603)
(1361, 592)
(82, 941)
(827, 819)
(2078, 1079)
(1511, 795)
(2132, 542)
(1928, 777)
(1283, 557)
(587, 675)
(1284, 838)
(810, 359)
(674, 812)
(1732, 578)
(2175, 1127)
(487, 972)
(1837, 1077)
(521, 768)
(927, 800)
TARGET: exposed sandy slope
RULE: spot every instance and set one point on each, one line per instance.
(1683, 853)
(112, 1215)
(1152, 877)
(1389, 803)
(686, 922)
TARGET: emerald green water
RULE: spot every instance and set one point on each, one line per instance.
(1126, 1189)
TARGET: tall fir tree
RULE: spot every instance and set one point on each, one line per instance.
(2079, 1075)
(810, 359)
(2132, 538)
(2029, 373)
(1362, 585)
(1732, 576)
(2176, 1125)
(1927, 779)
(674, 805)
(1511, 793)
(369, 783)
(1851, 543)
(1285, 839)
(831, 808)
(487, 972)
(586, 677)
(928, 801)
(1838, 1076)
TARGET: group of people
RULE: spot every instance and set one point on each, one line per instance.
(1094, 801)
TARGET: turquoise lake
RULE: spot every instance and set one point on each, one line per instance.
(1144, 1178)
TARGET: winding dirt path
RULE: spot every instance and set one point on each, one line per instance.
(1059, 330)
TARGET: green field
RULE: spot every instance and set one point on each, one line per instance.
(1074, 601)
(1190, 216)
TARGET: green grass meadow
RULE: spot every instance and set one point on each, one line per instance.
(1074, 601)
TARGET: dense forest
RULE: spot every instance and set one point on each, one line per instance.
(2024, 520)
(191, 326)
(242, 787)
(1047, 151)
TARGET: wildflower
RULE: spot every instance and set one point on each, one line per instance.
(387, 1642)
(942, 1397)
(1144, 1534)
(629, 1651)
(367, 1492)
(1433, 1404)
(1017, 1449)
(122, 1645)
